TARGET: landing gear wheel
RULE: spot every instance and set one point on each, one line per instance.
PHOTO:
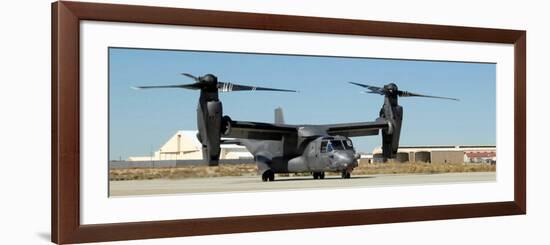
(268, 176)
(346, 174)
(318, 175)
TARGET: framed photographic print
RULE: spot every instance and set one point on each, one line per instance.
(176, 122)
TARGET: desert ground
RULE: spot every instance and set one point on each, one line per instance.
(198, 171)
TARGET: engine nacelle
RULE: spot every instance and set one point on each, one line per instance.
(209, 120)
(390, 136)
(214, 110)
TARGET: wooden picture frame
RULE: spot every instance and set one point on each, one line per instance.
(65, 172)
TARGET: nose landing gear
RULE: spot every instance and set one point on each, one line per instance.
(346, 173)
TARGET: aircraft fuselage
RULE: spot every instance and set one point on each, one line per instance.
(320, 154)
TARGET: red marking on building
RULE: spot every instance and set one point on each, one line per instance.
(476, 154)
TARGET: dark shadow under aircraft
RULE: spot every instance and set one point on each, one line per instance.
(285, 148)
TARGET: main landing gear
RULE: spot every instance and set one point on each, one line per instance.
(318, 175)
(268, 176)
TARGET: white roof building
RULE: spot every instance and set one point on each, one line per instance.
(184, 145)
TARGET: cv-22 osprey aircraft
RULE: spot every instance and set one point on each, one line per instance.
(284, 148)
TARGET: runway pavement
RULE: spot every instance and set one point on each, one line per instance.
(253, 183)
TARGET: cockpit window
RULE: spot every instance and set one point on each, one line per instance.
(337, 144)
(349, 144)
(330, 145)
(323, 146)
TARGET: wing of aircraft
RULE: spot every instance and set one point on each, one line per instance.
(269, 131)
(357, 129)
(259, 130)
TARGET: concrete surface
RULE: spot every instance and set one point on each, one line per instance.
(253, 183)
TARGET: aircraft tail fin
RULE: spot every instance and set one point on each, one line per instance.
(279, 119)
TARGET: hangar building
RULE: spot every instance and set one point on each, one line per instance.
(184, 145)
(442, 154)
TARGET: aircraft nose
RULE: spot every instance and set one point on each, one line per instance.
(343, 158)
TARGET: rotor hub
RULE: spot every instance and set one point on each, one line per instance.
(209, 78)
(391, 89)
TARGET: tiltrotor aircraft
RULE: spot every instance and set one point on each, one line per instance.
(284, 148)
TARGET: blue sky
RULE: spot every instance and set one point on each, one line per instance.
(142, 120)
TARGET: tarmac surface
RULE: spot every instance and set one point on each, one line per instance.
(254, 183)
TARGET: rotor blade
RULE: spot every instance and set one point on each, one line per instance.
(191, 76)
(368, 92)
(409, 94)
(373, 89)
(229, 87)
(193, 86)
